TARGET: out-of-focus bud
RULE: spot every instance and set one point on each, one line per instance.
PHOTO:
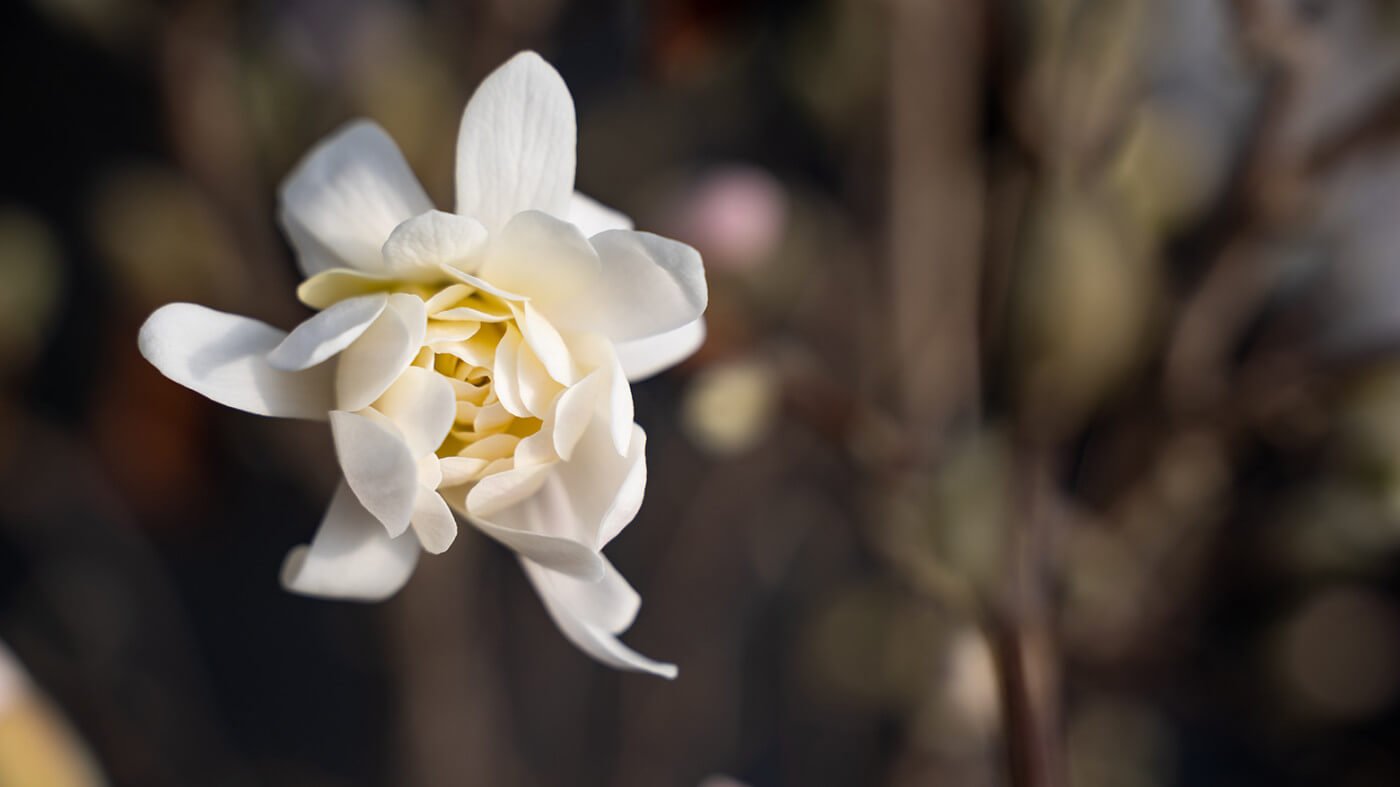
(735, 215)
(1340, 654)
(1161, 177)
(730, 407)
(1082, 309)
(30, 277)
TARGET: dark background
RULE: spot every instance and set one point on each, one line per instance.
(1048, 430)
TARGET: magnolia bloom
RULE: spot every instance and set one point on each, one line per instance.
(474, 362)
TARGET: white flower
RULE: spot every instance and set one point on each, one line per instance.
(475, 361)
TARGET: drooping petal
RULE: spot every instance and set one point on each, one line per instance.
(544, 258)
(422, 405)
(224, 357)
(526, 529)
(433, 521)
(609, 603)
(351, 557)
(378, 466)
(565, 603)
(642, 358)
(516, 146)
(327, 333)
(419, 245)
(371, 364)
(342, 201)
(649, 285)
(593, 217)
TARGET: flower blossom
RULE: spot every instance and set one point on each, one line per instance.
(473, 363)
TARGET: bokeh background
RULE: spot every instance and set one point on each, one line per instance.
(1048, 430)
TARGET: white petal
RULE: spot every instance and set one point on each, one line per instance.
(503, 490)
(649, 285)
(505, 376)
(575, 410)
(418, 246)
(593, 217)
(371, 364)
(422, 405)
(595, 640)
(537, 388)
(223, 357)
(378, 466)
(615, 406)
(433, 522)
(327, 333)
(524, 529)
(641, 358)
(330, 287)
(342, 201)
(481, 284)
(544, 258)
(548, 345)
(515, 149)
(609, 603)
(351, 556)
(604, 490)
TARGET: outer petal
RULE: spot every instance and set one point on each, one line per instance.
(649, 285)
(571, 613)
(593, 217)
(342, 201)
(604, 490)
(545, 258)
(378, 466)
(418, 246)
(641, 358)
(327, 333)
(375, 360)
(351, 556)
(433, 522)
(515, 150)
(223, 357)
(422, 405)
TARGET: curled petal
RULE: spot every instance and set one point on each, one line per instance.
(547, 344)
(342, 201)
(642, 358)
(575, 606)
(371, 364)
(224, 357)
(505, 380)
(327, 333)
(351, 557)
(515, 149)
(378, 466)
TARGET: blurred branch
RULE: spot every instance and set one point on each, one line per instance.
(936, 211)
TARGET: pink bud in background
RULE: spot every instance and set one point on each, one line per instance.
(735, 214)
